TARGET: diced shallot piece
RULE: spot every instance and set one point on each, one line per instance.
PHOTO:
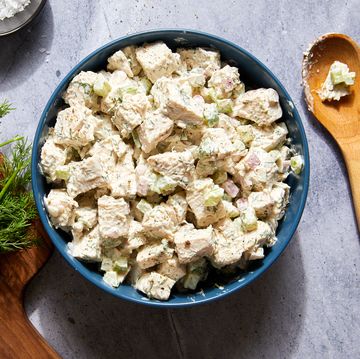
(230, 188)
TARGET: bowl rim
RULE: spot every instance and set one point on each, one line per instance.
(78, 266)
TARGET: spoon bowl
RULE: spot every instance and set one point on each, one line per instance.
(341, 118)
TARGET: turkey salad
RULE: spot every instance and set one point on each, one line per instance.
(163, 165)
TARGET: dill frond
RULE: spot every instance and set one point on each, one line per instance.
(17, 207)
(5, 108)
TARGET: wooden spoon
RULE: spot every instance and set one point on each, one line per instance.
(18, 337)
(341, 118)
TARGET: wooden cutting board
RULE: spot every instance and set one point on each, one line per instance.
(18, 337)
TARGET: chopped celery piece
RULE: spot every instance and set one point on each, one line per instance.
(129, 89)
(197, 271)
(135, 138)
(248, 219)
(106, 264)
(219, 177)
(121, 264)
(339, 73)
(144, 206)
(62, 174)
(102, 87)
(297, 164)
(211, 93)
(146, 84)
(338, 78)
(245, 133)
(213, 196)
(226, 197)
(211, 115)
(163, 185)
(224, 106)
(191, 280)
(113, 278)
(183, 136)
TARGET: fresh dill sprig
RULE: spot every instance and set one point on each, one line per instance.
(5, 108)
(17, 207)
(14, 169)
(17, 214)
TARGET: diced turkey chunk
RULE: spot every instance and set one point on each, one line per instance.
(280, 196)
(85, 218)
(136, 236)
(179, 166)
(158, 223)
(130, 52)
(195, 78)
(104, 128)
(145, 177)
(122, 179)
(260, 106)
(200, 58)
(268, 138)
(60, 207)
(215, 144)
(75, 127)
(262, 202)
(130, 113)
(231, 242)
(155, 285)
(155, 128)
(183, 109)
(108, 151)
(154, 253)
(157, 60)
(118, 61)
(172, 268)
(85, 175)
(262, 235)
(205, 215)
(80, 90)
(114, 220)
(192, 243)
(179, 204)
(224, 81)
(52, 156)
(176, 101)
(256, 170)
(86, 247)
(226, 251)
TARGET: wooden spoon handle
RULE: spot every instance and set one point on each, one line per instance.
(18, 337)
(351, 154)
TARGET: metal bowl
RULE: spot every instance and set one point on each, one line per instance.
(21, 19)
(255, 75)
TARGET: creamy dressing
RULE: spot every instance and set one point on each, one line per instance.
(164, 165)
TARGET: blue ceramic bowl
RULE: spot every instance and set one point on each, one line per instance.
(255, 75)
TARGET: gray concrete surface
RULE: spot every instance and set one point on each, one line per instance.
(307, 305)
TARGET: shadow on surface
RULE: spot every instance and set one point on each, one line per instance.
(23, 52)
(79, 320)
